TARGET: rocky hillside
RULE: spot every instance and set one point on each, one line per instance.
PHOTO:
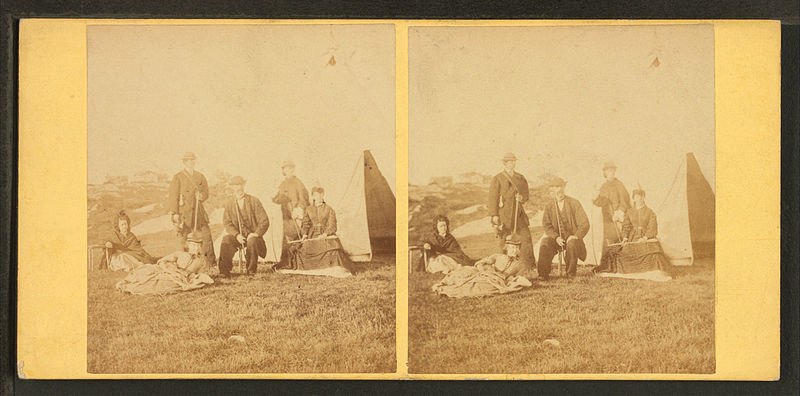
(141, 201)
(462, 203)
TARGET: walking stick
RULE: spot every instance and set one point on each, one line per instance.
(196, 209)
(560, 252)
(516, 206)
(241, 246)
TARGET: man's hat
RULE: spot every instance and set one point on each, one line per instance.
(513, 239)
(557, 182)
(236, 180)
(189, 156)
(317, 189)
(194, 237)
(286, 163)
(609, 164)
(509, 157)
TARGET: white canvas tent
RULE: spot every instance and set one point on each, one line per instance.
(364, 205)
(686, 217)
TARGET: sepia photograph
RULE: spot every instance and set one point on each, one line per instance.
(241, 199)
(561, 199)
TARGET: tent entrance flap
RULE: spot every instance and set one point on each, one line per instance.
(687, 216)
(381, 206)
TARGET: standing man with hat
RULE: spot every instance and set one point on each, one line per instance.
(614, 201)
(292, 196)
(508, 191)
(245, 222)
(292, 193)
(187, 192)
(565, 224)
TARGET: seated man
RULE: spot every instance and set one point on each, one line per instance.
(444, 252)
(245, 221)
(495, 274)
(565, 224)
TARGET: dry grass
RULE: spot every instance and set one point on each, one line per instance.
(291, 324)
(603, 325)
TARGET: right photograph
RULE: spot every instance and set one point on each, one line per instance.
(561, 199)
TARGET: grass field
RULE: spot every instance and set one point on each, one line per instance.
(290, 323)
(603, 325)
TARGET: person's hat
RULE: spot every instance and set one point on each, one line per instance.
(637, 191)
(236, 180)
(317, 189)
(189, 156)
(194, 237)
(513, 239)
(509, 157)
(557, 182)
(286, 163)
(609, 164)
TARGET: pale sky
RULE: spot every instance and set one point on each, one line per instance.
(561, 98)
(243, 98)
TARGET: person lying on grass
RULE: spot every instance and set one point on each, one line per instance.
(495, 274)
(179, 271)
(444, 252)
(126, 251)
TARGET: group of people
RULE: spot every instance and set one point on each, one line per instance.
(629, 236)
(309, 229)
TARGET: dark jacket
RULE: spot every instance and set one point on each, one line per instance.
(502, 191)
(181, 198)
(639, 223)
(448, 246)
(613, 196)
(573, 219)
(253, 219)
(292, 193)
(129, 244)
(319, 220)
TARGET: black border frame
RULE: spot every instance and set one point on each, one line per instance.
(787, 11)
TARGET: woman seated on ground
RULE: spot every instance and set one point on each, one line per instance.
(319, 251)
(639, 255)
(179, 271)
(444, 252)
(495, 274)
(126, 251)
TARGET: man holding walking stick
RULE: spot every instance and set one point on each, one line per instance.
(187, 192)
(508, 191)
(245, 222)
(565, 224)
(613, 198)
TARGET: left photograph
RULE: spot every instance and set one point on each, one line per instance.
(241, 199)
